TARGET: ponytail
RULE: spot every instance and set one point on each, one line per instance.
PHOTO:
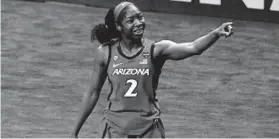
(100, 33)
(105, 32)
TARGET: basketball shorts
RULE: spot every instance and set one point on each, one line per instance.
(155, 131)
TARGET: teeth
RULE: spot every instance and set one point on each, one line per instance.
(139, 30)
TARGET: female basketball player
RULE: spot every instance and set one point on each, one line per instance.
(132, 65)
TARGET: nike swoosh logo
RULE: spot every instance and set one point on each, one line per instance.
(115, 65)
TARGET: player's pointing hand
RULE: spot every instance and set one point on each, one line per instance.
(225, 29)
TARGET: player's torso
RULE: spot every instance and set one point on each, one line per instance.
(131, 80)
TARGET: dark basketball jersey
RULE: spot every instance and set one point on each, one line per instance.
(132, 101)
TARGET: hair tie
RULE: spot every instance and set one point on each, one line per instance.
(118, 9)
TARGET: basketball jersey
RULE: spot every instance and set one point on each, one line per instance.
(133, 80)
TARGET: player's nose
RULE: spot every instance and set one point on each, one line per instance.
(137, 22)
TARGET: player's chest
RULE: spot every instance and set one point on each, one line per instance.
(134, 67)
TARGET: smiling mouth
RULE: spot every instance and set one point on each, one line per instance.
(138, 31)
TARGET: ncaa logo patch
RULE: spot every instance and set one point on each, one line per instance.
(115, 58)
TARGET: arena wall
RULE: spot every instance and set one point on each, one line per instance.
(256, 10)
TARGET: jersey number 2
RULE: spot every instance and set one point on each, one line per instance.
(129, 92)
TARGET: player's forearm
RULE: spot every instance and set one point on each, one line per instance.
(88, 103)
(203, 43)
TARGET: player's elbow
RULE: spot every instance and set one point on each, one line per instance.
(198, 52)
(192, 48)
(91, 96)
(93, 92)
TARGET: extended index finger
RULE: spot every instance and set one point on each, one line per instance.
(228, 23)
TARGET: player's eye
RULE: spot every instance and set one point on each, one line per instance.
(129, 21)
(140, 16)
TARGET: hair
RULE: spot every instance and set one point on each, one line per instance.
(121, 15)
(105, 32)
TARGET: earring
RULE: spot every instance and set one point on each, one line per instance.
(118, 28)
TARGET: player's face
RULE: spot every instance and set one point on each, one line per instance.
(133, 23)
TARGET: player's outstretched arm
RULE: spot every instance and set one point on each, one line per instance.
(178, 51)
(91, 97)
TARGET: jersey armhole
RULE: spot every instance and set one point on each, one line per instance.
(109, 57)
(109, 45)
(152, 51)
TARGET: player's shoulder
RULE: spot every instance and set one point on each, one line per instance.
(160, 46)
(105, 47)
(103, 51)
(162, 43)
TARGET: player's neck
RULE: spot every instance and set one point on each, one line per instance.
(131, 44)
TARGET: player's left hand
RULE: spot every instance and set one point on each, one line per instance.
(226, 29)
